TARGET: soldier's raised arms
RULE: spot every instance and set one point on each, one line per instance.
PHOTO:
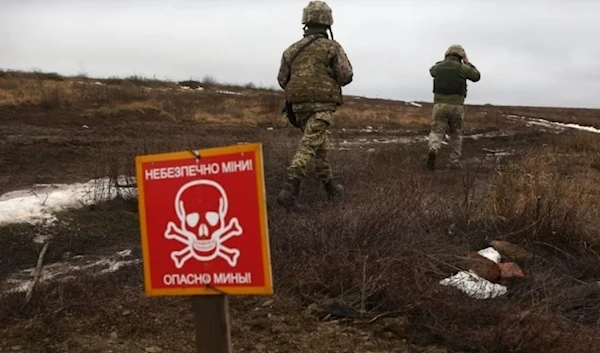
(450, 90)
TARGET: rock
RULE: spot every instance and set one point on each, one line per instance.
(126, 312)
(483, 267)
(268, 302)
(260, 347)
(511, 252)
(510, 270)
(16, 348)
(153, 349)
(114, 335)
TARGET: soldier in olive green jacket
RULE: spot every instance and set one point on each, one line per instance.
(312, 72)
(450, 90)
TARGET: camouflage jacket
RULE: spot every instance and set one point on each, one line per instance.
(314, 81)
(467, 72)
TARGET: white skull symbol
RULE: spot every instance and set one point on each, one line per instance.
(201, 207)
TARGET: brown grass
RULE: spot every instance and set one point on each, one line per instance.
(384, 248)
(552, 191)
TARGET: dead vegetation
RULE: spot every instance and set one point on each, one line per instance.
(382, 250)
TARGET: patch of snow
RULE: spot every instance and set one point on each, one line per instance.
(230, 92)
(553, 124)
(414, 104)
(414, 139)
(200, 89)
(98, 83)
(489, 135)
(124, 253)
(115, 266)
(39, 204)
(368, 129)
(41, 239)
(490, 253)
(184, 87)
(474, 286)
(66, 271)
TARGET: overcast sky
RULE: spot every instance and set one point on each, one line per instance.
(529, 52)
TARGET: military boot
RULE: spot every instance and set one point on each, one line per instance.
(431, 159)
(289, 193)
(334, 191)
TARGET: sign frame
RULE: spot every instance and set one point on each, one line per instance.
(256, 148)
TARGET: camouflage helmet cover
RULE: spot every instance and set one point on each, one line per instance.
(456, 50)
(317, 12)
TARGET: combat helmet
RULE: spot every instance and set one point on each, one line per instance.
(317, 12)
(455, 50)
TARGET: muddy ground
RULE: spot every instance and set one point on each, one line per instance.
(383, 169)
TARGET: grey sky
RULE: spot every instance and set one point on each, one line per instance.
(529, 52)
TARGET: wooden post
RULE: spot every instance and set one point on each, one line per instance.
(211, 313)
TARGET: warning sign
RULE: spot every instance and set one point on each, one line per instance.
(203, 222)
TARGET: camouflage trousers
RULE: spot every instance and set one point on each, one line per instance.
(447, 118)
(314, 146)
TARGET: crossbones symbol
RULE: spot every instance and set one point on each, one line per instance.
(201, 206)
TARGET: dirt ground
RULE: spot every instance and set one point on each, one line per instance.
(94, 312)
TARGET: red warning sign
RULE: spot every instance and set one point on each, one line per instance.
(203, 222)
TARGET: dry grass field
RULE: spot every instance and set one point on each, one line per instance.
(360, 275)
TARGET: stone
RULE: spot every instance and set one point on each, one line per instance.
(268, 302)
(16, 348)
(510, 270)
(153, 349)
(484, 267)
(512, 253)
(114, 335)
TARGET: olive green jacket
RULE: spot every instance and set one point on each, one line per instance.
(467, 71)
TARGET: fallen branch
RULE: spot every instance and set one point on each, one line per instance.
(38, 273)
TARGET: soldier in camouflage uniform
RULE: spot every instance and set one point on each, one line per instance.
(312, 84)
(450, 90)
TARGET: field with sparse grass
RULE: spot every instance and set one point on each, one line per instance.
(359, 275)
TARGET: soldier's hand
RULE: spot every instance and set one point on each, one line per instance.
(466, 59)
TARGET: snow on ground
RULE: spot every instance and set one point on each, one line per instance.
(39, 204)
(345, 144)
(553, 124)
(414, 104)
(64, 271)
(229, 92)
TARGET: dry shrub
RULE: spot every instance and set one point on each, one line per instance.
(134, 108)
(395, 234)
(552, 195)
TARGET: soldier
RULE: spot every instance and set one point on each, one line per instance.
(450, 90)
(312, 72)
